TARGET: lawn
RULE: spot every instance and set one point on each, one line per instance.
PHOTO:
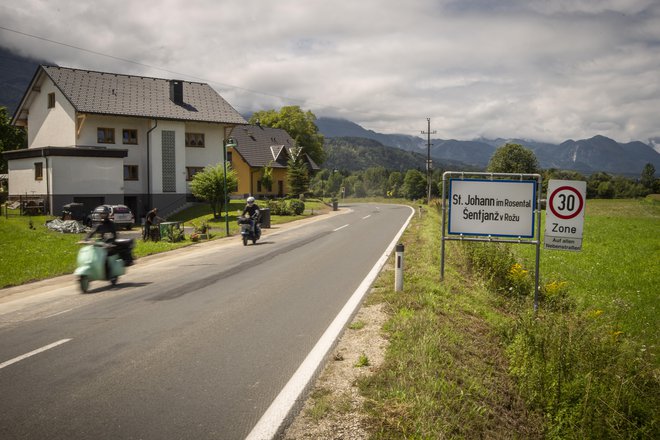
(469, 359)
(30, 251)
(617, 270)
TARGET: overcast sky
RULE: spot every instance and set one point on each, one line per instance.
(548, 70)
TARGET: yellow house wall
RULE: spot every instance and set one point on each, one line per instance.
(248, 178)
(243, 171)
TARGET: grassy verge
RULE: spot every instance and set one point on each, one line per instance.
(30, 251)
(445, 373)
(468, 358)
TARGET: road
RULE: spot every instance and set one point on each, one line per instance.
(195, 344)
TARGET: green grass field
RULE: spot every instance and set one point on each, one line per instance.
(470, 359)
(618, 269)
(30, 251)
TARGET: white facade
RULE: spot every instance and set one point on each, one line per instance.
(22, 176)
(82, 172)
(102, 175)
(51, 126)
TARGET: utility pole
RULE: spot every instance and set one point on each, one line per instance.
(429, 162)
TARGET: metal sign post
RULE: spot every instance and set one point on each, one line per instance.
(492, 207)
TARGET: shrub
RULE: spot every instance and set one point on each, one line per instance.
(297, 207)
(279, 207)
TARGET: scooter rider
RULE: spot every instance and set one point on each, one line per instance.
(253, 210)
(106, 229)
(108, 233)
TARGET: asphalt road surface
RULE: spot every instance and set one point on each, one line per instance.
(194, 344)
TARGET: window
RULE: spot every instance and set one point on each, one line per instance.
(195, 140)
(131, 172)
(129, 136)
(229, 156)
(105, 135)
(38, 171)
(51, 100)
(191, 171)
(258, 186)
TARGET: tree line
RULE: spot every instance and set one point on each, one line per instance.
(510, 158)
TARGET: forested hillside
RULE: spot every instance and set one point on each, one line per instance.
(353, 154)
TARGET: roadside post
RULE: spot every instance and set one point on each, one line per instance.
(564, 215)
(398, 270)
(494, 208)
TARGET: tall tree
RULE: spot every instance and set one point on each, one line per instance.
(414, 185)
(209, 185)
(300, 126)
(11, 138)
(648, 176)
(513, 158)
(297, 173)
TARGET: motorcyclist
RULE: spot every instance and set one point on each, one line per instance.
(252, 209)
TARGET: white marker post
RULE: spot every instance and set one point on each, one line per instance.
(398, 271)
(564, 215)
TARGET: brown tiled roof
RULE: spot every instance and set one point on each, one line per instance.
(126, 95)
(259, 146)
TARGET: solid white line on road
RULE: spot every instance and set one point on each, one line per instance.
(32, 353)
(273, 419)
(341, 227)
(366, 217)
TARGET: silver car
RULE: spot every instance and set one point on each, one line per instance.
(120, 215)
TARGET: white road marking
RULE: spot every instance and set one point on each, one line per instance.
(366, 217)
(32, 353)
(341, 227)
(273, 419)
(58, 313)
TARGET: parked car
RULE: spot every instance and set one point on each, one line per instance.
(121, 215)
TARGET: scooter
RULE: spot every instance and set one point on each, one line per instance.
(94, 263)
(247, 231)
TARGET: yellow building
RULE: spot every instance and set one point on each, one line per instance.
(259, 147)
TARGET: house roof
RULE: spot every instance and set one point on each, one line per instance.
(260, 146)
(135, 96)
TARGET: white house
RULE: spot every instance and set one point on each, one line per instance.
(96, 137)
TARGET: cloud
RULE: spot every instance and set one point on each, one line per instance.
(548, 70)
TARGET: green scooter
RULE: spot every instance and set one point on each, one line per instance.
(94, 263)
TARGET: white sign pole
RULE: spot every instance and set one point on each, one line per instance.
(564, 214)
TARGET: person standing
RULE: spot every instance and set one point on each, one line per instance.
(149, 220)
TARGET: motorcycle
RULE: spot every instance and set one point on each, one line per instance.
(250, 229)
(95, 262)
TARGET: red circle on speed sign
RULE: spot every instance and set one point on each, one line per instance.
(566, 204)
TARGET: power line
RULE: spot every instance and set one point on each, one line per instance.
(172, 72)
(138, 63)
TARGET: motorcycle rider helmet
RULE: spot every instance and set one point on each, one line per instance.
(250, 200)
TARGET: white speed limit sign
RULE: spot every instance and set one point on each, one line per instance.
(564, 215)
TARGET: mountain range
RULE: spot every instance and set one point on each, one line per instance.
(598, 153)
